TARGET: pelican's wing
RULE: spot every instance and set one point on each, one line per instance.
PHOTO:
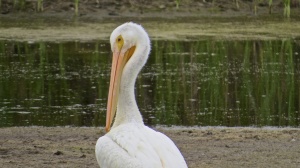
(132, 146)
(169, 154)
(110, 155)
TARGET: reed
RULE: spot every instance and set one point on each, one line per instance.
(237, 4)
(291, 83)
(245, 99)
(181, 97)
(270, 6)
(287, 8)
(255, 7)
(42, 71)
(76, 7)
(96, 56)
(40, 7)
(61, 58)
(159, 97)
(177, 2)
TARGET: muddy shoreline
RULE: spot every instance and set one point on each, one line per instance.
(253, 30)
(201, 147)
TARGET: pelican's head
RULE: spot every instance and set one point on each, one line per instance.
(130, 45)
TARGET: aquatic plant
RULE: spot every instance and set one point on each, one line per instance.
(255, 7)
(237, 4)
(177, 3)
(76, 7)
(287, 8)
(256, 2)
(40, 5)
(270, 6)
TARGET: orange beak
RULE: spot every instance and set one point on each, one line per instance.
(118, 63)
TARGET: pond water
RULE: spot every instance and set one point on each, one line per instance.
(203, 83)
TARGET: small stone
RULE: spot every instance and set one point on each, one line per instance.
(83, 156)
(209, 133)
(58, 153)
(162, 6)
(256, 137)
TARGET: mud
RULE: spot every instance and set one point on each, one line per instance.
(201, 147)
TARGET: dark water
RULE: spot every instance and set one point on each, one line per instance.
(206, 83)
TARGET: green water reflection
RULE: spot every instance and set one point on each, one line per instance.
(207, 83)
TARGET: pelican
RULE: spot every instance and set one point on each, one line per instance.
(128, 143)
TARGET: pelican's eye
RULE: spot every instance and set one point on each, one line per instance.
(120, 42)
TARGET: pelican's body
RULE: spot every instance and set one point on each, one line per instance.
(129, 143)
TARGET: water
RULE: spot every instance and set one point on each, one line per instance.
(205, 83)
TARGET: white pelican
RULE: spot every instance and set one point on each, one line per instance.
(129, 143)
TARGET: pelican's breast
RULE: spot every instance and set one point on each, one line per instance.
(137, 145)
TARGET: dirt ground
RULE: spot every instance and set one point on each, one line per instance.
(202, 147)
(38, 147)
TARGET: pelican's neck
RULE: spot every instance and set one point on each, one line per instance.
(127, 109)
